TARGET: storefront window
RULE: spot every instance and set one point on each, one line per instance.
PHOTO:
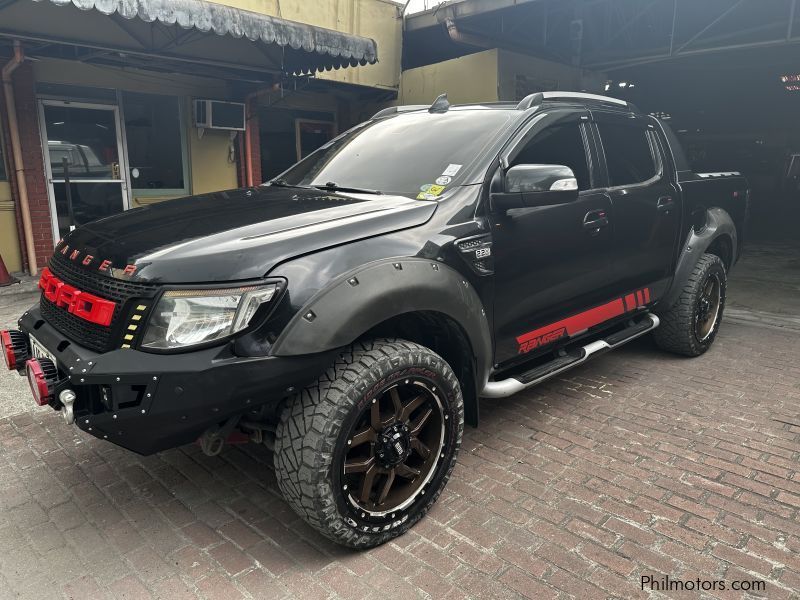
(156, 144)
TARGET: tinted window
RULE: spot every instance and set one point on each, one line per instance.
(629, 155)
(559, 145)
(155, 143)
(406, 154)
(678, 155)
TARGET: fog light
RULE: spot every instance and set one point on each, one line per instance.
(42, 377)
(15, 348)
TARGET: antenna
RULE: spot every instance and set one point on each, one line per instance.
(440, 105)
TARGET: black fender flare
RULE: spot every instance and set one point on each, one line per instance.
(358, 301)
(718, 223)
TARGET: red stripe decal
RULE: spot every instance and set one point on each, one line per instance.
(579, 322)
(582, 321)
(630, 301)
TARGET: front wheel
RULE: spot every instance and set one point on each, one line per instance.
(362, 454)
(691, 325)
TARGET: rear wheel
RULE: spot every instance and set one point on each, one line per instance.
(363, 453)
(691, 325)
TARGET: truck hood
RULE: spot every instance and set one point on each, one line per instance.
(235, 235)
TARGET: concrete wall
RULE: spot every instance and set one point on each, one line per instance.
(544, 73)
(9, 240)
(493, 75)
(376, 19)
(472, 78)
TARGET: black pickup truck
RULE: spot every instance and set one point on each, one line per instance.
(351, 313)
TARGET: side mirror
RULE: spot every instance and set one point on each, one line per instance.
(527, 186)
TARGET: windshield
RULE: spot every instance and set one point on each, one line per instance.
(419, 154)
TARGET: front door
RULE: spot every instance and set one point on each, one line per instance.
(83, 160)
(552, 262)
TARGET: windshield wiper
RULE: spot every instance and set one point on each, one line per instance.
(333, 187)
(328, 187)
(284, 183)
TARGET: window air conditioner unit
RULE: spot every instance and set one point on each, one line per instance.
(214, 114)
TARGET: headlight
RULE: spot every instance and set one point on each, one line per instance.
(191, 317)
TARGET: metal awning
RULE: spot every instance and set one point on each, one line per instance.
(167, 34)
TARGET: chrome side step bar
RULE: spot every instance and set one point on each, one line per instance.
(512, 385)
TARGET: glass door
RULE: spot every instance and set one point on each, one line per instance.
(83, 161)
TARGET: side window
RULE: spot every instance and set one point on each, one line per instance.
(558, 145)
(629, 154)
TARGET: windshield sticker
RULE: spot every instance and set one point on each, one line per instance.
(444, 180)
(451, 170)
(431, 193)
(426, 187)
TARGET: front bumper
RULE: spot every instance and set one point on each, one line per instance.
(151, 402)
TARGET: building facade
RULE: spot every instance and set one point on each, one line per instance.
(110, 106)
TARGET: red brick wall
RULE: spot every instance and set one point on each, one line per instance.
(33, 164)
(241, 174)
(27, 115)
(255, 141)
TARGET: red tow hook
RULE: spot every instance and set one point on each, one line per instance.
(16, 349)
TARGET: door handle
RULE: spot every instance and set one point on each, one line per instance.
(665, 204)
(595, 220)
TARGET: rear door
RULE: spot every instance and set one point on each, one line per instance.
(551, 262)
(645, 202)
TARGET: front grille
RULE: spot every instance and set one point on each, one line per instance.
(90, 335)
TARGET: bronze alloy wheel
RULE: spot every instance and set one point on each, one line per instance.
(364, 452)
(708, 307)
(394, 448)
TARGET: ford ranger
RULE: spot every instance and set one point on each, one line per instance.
(351, 313)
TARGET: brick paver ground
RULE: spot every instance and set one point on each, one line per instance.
(636, 464)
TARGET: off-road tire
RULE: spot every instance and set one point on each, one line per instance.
(315, 424)
(677, 332)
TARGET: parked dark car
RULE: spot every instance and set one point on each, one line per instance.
(351, 313)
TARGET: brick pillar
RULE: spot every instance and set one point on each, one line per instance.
(255, 140)
(241, 174)
(33, 159)
(33, 164)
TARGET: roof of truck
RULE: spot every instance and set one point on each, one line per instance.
(441, 104)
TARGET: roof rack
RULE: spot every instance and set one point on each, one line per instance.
(540, 97)
(439, 105)
(393, 110)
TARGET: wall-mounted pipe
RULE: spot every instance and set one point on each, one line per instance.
(16, 150)
(470, 39)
